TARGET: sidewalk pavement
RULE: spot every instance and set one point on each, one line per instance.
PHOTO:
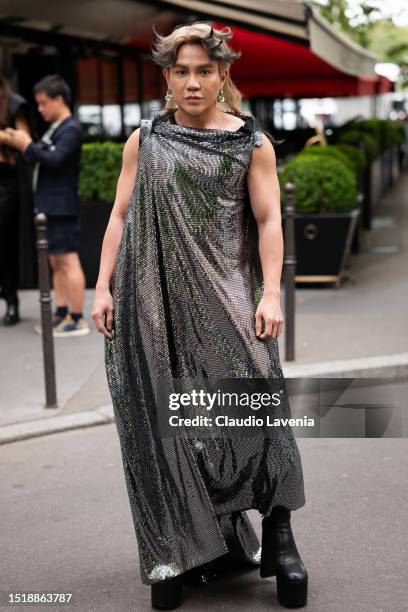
(359, 330)
(67, 528)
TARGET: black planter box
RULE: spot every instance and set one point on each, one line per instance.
(372, 191)
(323, 243)
(94, 218)
(386, 161)
(395, 165)
(355, 244)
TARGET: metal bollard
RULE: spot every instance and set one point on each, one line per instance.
(46, 311)
(289, 262)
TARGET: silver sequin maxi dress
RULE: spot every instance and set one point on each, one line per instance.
(183, 296)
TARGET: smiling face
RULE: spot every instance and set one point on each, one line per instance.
(195, 79)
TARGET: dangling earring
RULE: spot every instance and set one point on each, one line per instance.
(221, 96)
(168, 95)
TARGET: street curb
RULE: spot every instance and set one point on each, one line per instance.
(54, 424)
(383, 366)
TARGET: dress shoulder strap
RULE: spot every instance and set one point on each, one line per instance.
(145, 129)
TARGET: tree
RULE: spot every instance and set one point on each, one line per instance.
(371, 27)
(356, 20)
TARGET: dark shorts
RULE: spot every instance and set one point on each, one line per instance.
(63, 234)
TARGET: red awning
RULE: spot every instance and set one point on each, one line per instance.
(288, 49)
(271, 66)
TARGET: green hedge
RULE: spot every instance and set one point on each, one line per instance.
(323, 184)
(377, 135)
(354, 155)
(387, 131)
(396, 132)
(354, 136)
(375, 128)
(332, 151)
(100, 168)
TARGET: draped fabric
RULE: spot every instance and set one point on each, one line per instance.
(184, 294)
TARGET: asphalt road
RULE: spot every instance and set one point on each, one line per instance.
(66, 527)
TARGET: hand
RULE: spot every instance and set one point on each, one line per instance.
(4, 137)
(103, 308)
(18, 139)
(268, 311)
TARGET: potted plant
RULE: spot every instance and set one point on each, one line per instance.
(355, 161)
(371, 178)
(332, 151)
(100, 168)
(379, 129)
(325, 215)
(391, 135)
(396, 136)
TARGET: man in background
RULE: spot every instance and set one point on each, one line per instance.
(55, 185)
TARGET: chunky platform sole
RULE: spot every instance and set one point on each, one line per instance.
(290, 593)
(168, 594)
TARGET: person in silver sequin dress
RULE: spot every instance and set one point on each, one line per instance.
(190, 244)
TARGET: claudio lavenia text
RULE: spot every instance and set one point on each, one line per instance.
(223, 420)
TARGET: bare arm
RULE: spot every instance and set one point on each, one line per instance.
(103, 305)
(5, 138)
(264, 192)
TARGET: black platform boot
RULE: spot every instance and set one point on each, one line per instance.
(199, 575)
(281, 558)
(12, 315)
(167, 594)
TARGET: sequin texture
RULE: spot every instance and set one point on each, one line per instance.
(183, 294)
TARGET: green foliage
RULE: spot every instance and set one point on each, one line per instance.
(353, 136)
(329, 151)
(372, 27)
(377, 135)
(100, 168)
(389, 42)
(323, 184)
(396, 132)
(382, 129)
(357, 20)
(355, 156)
(375, 128)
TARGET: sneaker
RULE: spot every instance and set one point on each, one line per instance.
(69, 327)
(56, 320)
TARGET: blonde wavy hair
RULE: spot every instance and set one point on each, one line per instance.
(165, 50)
